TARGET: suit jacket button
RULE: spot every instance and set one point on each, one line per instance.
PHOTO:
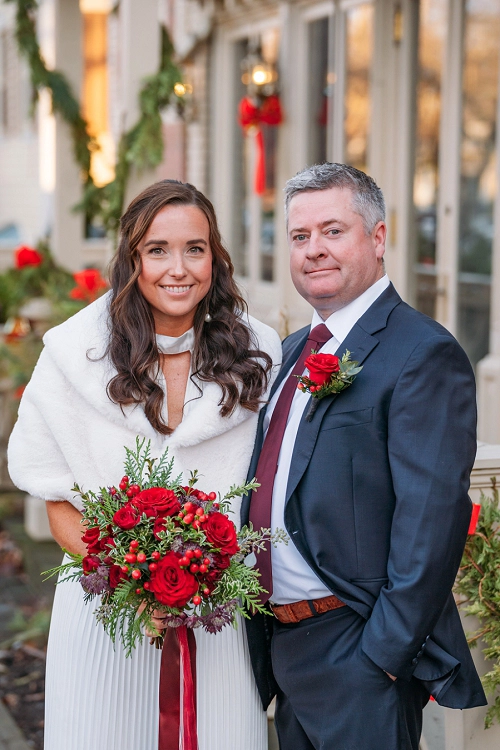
(420, 654)
(414, 661)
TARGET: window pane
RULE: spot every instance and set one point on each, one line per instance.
(359, 42)
(478, 182)
(432, 34)
(320, 86)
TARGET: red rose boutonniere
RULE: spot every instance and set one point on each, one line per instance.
(327, 375)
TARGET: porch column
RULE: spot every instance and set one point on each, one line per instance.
(140, 48)
(68, 58)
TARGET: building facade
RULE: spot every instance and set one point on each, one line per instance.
(406, 90)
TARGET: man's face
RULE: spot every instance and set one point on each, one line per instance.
(332, 259)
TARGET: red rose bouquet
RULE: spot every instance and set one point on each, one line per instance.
(328, 374)
(153, 541)
(156, 544)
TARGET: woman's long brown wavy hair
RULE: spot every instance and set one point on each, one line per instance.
(225, 350)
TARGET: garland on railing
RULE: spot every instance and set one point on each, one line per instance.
(64, 101)
(478, 584)
(141, 146)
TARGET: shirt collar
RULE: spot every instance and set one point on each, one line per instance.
(342, 321)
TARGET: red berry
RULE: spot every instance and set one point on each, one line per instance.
(206, 561)
(146, 585)
(202, 496)
(130, 492)
(112, 491)
(188, 507)
(184, 561)
(212, 496)
(138, 591)
(216, 506)
(188, 518)
(141, 557)
(199, 511)
(136, 574)
(206, 592)
(124, 568)
(196, 600)
(125, 479)
(194, 568)
(202, 518)
(130, 557)
(203, 568)
(189, 553)
(135, 488)
(198, 553)
(156, 555)
(196, 524)
(134, 544)
(153, 566)
(123, 485)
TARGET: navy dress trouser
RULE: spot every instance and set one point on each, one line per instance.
(333, 697)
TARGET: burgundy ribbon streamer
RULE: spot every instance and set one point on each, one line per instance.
(179, 652)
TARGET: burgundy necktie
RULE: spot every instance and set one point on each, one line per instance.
(260, 508)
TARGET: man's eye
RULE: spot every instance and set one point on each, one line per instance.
(299, 237)
(334, 231)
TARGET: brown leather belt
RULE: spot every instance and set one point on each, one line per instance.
(297, 611)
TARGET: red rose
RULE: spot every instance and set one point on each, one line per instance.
(159, 525)
(321, 367)
(91, 539)
(127, 517)
(27, 256)
(107, 542)
(171, 584)
(221, 561)
(90, 563)
(157, 501)
(116, 575)
(221, 532)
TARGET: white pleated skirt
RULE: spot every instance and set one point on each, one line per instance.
(97, 699)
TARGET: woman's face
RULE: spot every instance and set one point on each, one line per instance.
(176, 267)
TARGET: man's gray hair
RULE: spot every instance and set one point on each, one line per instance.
(368, 200)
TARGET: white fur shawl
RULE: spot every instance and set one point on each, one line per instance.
(69, 431)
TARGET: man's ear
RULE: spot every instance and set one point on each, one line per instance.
(379, 235)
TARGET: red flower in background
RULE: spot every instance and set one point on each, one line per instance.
(89, 283)
(116, 575)
(27, 256)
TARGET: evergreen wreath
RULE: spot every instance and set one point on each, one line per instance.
(478, 586)
(141, 146)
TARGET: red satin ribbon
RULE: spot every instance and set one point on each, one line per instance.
(179, 652)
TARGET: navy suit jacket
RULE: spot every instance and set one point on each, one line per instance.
(377, 501)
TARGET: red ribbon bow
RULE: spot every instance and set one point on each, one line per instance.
(250, 115)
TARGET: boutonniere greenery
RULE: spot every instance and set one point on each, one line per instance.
(328, 374)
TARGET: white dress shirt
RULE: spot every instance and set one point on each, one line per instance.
(293, 579)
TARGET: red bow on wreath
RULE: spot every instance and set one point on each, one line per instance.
(250, 116)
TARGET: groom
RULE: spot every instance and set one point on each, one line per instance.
(371, 488)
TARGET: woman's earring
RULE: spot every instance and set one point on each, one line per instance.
(208, 318)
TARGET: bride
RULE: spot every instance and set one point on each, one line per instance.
(169, 354)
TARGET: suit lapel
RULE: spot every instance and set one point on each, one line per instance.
(360, 342)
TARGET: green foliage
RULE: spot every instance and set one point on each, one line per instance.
(478, 585)
(141, 146)
(64, 101)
